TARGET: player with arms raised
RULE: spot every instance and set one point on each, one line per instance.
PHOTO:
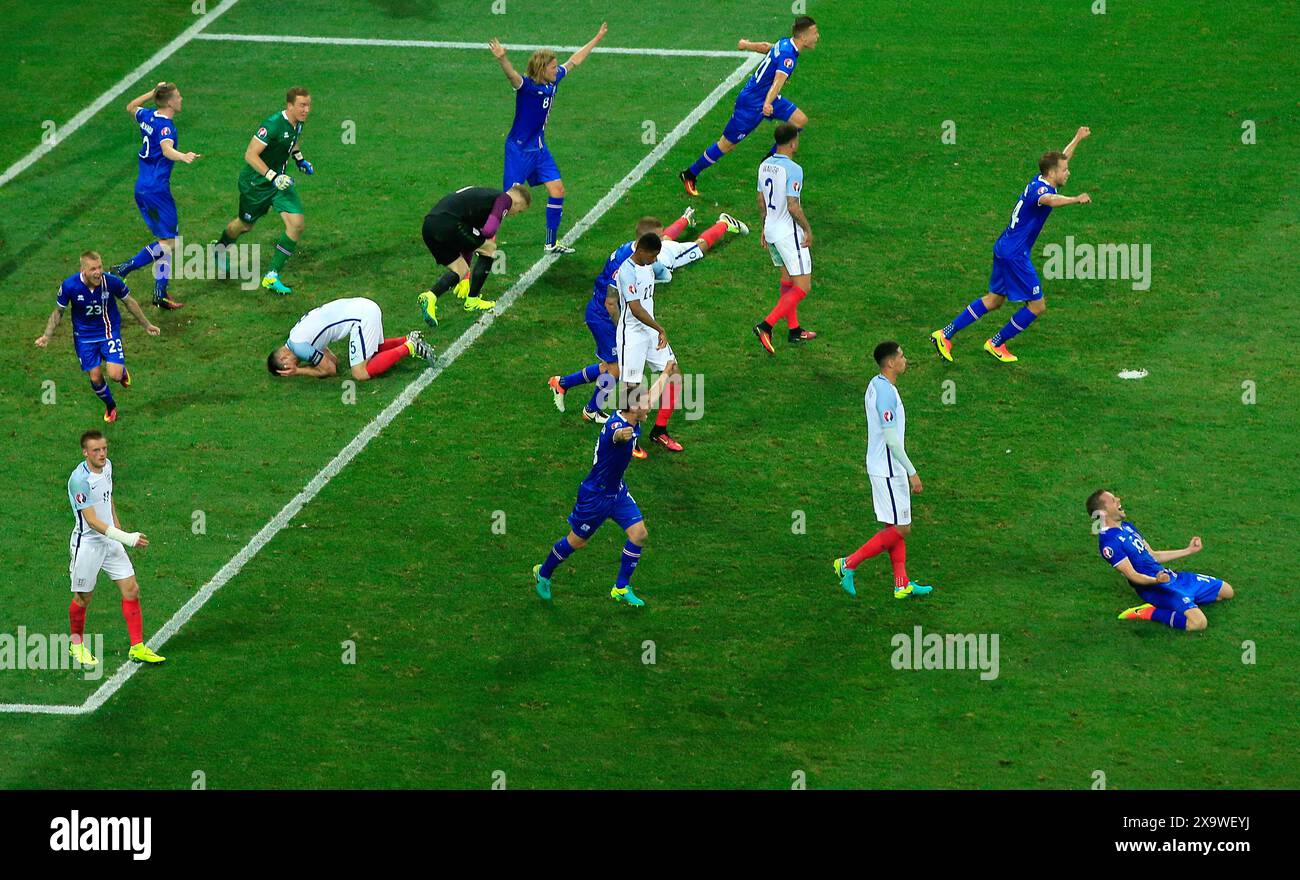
(786, 235)
(528, 159)
(1013, 276)
(97, 545)
(263, 183)
(153, 193)
(893, 477)
(1170, 597)
(760, 98)
(97, 326)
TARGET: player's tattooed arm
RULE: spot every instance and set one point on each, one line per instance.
(1134, 576)
(138, 313)
(55, 317)
(581, 55)
(138, 102)
(1163, 556)
(795, 206)
(753, 46)
(499, 53)
(1079, 135)
(611, 302)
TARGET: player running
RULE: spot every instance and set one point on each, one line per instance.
(1169, 597)
(786, 235)
(602, 308)
(263, 184)
(528, 158)
(97, 326)
(153, 193)
(461, 224)
(760, 98)
(97, 545)
(1013, 275)
(601, 496)
(893, 478)
(359, 320)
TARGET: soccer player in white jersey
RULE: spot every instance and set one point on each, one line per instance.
(360, 321)
(97, 545)
(641, 340)
(893, 477)
(786, 235)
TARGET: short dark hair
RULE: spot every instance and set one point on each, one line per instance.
(295, 93)
(801, 24)
(649, 243)
(1094, 501)
(90, 435)
(272, 364)
(884, 351)
(785, 132)
(1050, 160)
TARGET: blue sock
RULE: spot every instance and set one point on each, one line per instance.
(1019, 322)
(103, 393)
(560, 552)
(554, 211)
(966, 317)
(582, 377)
(707, 158)
(147, 255)
(631, 556)
(162, 273)
(1176, 619)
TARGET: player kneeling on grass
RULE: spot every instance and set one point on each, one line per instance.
(893, 478)
(1169, 597)
(97, 545)
(601, 496)
(369, 353)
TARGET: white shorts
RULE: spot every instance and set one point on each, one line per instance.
(91, 554)
(636, 349)
(675, 254)
(364, 340)
(892, 497)
(787, 253)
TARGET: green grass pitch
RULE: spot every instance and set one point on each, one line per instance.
(764, 668)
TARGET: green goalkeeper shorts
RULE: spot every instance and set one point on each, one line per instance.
(258, 196)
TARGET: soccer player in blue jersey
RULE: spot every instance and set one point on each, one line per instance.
(760, 97)
(97, 326)
(1013, 277)
(601, 496)
(528, 158)
(1170, 597)
(153, 193)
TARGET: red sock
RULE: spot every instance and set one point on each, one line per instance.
(797, 294)
(77, 621)
(670, 401)
(134, 622)
(885, 539)
(714, 233)
(898, 559)
(380, 363)
(783, 306)
(679, 225)
(392, 343)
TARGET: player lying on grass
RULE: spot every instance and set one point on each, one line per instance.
(1013, 276)
(369, 353)
(263, 184)
(97, 326)
(97, 545)
(603, 495)
(153, 193)
(786, 236)
(528, 159)
(461, 224)
(1169, 597)
(760, 98)
(892, 475)
(602, 309)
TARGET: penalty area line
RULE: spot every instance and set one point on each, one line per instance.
(395, 408)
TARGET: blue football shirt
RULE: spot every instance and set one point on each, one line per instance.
(783, 57)
(532, 107)
(155, 169)
(1027, 219)
(94, 310)
(611, 459)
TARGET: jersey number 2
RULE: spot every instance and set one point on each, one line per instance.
(771, 191)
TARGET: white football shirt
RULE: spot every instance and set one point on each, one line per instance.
(779, 178)
(94, 490)
(884, 410)
(635, 284)
(327, 324)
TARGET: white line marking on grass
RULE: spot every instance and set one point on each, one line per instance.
(455, 44)
(70, 127)
(393, 410)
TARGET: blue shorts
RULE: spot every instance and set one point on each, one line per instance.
(1015, 278)
(91, 352)
(159, 212)
(604, 332)
(746, 118)
(1184, 592)
(532, 167)
(593, 508)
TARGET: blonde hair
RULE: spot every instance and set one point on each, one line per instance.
(538, 63)
(91, 257)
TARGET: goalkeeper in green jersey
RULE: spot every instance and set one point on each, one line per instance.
(263, 183)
